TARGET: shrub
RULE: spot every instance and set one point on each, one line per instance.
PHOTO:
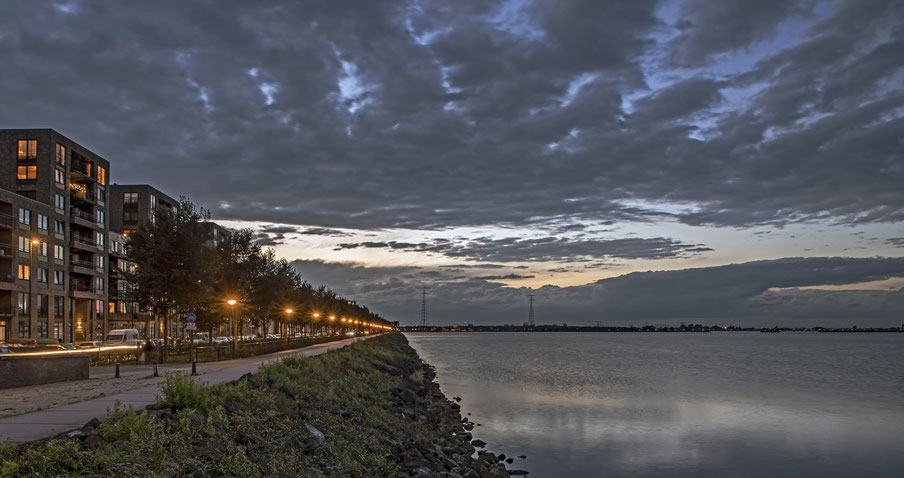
(180, 390)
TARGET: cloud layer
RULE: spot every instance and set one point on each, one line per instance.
(752, 293)
(433, 114)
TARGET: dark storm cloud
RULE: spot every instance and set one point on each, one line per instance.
(756, 293)
(434, 114)
(323, 231)
(513, 249)
(504, 278)
(279, 229)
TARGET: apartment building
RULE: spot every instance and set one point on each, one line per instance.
(53, 238)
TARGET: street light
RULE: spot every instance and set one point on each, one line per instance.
(235, 333)
(289, 314)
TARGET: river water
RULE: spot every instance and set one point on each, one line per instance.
(680, 404)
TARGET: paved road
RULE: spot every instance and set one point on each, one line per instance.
(44, 423)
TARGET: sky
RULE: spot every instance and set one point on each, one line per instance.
(642, 162)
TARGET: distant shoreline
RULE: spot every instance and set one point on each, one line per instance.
(693, 328)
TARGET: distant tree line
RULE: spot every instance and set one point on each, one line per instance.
(179, 268)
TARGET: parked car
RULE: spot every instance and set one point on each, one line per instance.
(90, 345)
(69, 346)
(5, 350)
(122, 337)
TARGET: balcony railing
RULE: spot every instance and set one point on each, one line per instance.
(78, 213)
(6, 310)
(122, 294)
(7, 250)
(81, 195)
(7, 220)
(7, 278)
(84, 240)
(80, 263)
(81, 167)
(81, 287)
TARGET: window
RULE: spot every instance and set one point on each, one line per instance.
(42, 274)
(24, 216)
(122, 307)
(99, 308)
(28, 148)
(24, 329)
(24, 272)
(43, 222)
(130, 199)
(42, 327)
(100, 262)
(101, 175)
(101, 194)
(58, 278)
(100, 217)
(59, 201)
(60, 176)
(26, 172)
(23, 244)
(43, 249)
(59, 226)
(123, 265)
(99, 285)
(61, 154)
(58, 251)
(60, 306)
(127, 232)
(130, 216)
(58, 329)
(111, 307)
(42, 306)
(99, 238)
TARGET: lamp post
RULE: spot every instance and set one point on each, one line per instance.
(316, 317)
(288, 316)
(332, 326)
(232, 303)
(31, 268)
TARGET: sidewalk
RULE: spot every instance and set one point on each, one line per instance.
(36, 425)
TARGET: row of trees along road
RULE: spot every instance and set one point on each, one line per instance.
(179, 269)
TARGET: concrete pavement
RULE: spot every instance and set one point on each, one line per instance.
(36, 425)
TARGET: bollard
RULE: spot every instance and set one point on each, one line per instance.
(194, 367)
(155, 369)
(117, 371)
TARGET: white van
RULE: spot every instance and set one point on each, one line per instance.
(122, 337)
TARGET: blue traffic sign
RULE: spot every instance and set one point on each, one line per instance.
(190, 318)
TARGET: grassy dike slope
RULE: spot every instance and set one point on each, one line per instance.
(369, 409)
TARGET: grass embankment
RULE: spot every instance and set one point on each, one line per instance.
(369, 409)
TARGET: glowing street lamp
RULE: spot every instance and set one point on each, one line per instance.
(289, 314)
(235, 325)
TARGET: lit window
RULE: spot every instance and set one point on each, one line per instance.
(26, 172)
(28, 148)
(42, 249)
(101, 175)
(58, 278)
(127, 232)
(99, 239)
(112, 306)
(24, 272)
(23, 244)
(100, 217)
(122, 307)
(61, 154)
(57, 251)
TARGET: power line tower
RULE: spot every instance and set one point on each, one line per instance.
(424, 307)
(530, 315)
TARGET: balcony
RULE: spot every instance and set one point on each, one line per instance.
(7, 220)
(83, 218)
(7, 250)
(6, 310)
(122, 294)
(82, 167)
(81, 195)
(81, 287)
(84, 241)
(7, 278)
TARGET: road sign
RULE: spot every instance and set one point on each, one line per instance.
(100, 326)
(191, 326)
(190, 318)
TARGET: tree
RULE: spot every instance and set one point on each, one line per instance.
(171, 262)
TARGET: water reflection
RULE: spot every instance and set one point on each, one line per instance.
(714, 405)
